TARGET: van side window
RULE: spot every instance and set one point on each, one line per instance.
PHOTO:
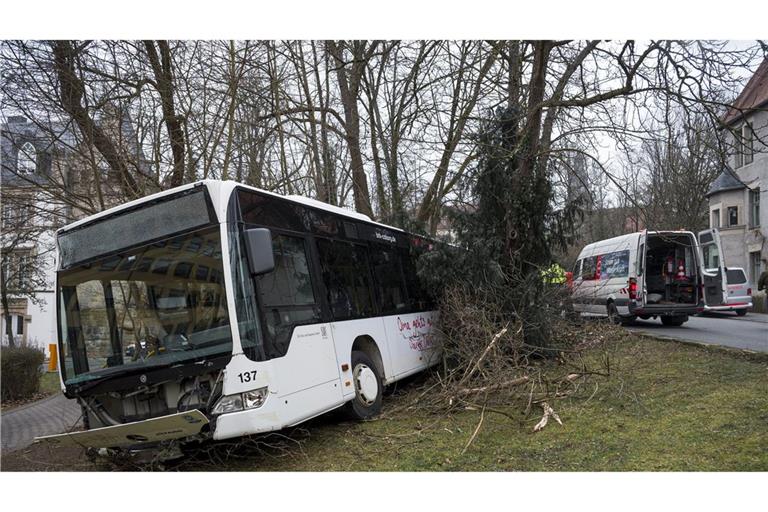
(589, 268)
(614, 264)
(577, 270)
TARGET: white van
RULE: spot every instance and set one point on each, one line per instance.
(739, 296)
(666, 274)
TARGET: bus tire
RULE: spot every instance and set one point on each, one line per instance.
(369, 388)
(673, 321)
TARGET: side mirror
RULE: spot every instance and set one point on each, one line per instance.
(258, 248)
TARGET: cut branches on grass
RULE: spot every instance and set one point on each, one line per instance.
(548, 412)
(709, 415)
(488, 367)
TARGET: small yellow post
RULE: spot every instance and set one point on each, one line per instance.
(53, 362)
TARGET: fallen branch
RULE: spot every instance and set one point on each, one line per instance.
(477, 429)
(493, 387)
(482, 357)
(548, 411)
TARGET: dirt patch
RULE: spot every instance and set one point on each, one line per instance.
(45, 457)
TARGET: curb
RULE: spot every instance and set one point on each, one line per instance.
(30, 404)
(709, 346)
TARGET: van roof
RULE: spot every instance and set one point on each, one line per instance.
(628, 240)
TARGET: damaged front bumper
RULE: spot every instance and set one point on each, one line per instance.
(164, 428)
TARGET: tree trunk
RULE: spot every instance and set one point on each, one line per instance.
(373, 91)
(162, 68)
(459, 116)
(318, 176)
(72, 91)
(6, 310)
(329, 174)
(349, 84)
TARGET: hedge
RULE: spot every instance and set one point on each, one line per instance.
(20, 372)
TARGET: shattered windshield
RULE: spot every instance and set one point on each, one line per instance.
(156, 305)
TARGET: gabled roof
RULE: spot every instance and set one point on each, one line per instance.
(754, 96)
(727, 180)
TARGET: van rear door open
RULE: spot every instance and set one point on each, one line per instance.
(712, 267)
(640, 265)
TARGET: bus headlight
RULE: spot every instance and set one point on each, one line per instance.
(241, 401)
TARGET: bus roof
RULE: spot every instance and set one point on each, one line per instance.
(229, 185)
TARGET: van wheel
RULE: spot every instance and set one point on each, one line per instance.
(613, 314)
(369, 388)
(741, 312)
(673, 321)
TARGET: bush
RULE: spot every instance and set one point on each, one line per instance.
(20, 372)
(760, 303)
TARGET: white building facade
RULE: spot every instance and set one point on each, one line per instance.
(738, 198)
(28, 223)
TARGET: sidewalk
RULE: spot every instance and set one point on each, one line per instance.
(757, 317)
(52, 415)
(749, 317)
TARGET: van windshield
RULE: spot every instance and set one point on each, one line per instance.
(152, 306)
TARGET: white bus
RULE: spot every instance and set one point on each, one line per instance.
(217, 310)
(650, 274)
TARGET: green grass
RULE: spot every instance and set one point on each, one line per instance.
(666, 407)
(49, 383)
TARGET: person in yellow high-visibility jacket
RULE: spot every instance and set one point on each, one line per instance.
(554, 274)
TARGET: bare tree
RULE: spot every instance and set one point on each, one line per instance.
(350, 75)
(23, 260)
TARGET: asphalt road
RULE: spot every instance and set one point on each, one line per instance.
(744, 332)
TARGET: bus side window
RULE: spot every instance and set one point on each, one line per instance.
(347, 279)
(418, 298)
(390, 290)
(286, 293)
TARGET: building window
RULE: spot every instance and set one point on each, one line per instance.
(26, 161)
(20, 325)
(16, 267)
(744, 146)
(754, 208)
(747, 148)
(755, 266)
(715, 218)
(733, 215)
(7, 215)
(17, 215)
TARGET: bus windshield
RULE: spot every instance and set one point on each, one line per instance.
(157, 305)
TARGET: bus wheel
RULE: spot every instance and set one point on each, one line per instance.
(368, 387)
